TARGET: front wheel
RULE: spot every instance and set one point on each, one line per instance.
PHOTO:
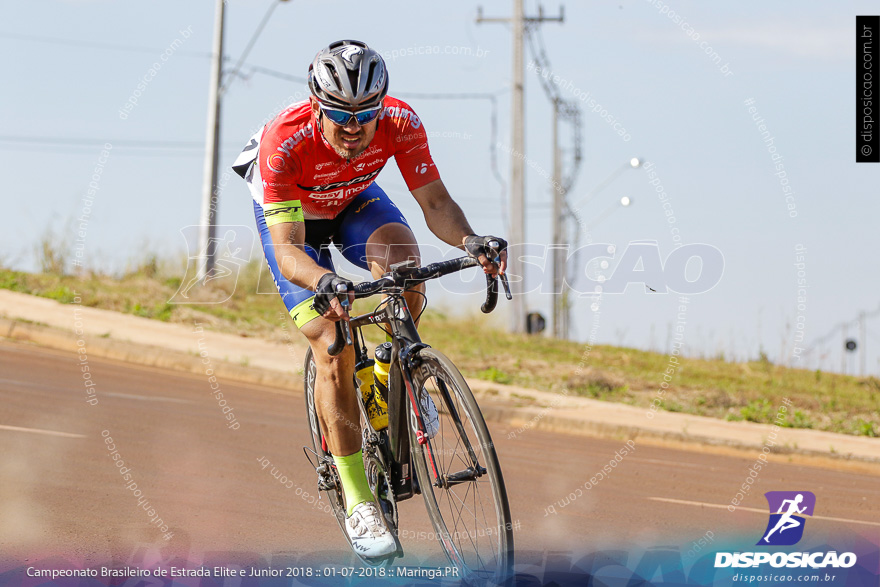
(460, 477)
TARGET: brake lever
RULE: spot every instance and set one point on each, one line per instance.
(497, 260)
(504, 282)
(343, 331)
(346, 331)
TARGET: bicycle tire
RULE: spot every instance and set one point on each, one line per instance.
(473, 568)
(309, 373)
(337, 501)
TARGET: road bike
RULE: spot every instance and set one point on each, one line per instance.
(456, 470)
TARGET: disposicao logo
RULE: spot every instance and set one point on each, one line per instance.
(785, 528)
(786, 525)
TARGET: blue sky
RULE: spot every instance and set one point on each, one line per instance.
(794, 59)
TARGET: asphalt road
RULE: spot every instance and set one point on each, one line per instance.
(61, 495)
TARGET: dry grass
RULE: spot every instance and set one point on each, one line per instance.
(734, 391)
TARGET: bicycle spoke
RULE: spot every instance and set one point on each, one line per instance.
(469, 507)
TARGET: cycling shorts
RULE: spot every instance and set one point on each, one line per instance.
(348, 231)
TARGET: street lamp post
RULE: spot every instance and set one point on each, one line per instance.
(584, 229)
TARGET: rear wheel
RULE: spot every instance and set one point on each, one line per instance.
(460, 477)
(328, 478)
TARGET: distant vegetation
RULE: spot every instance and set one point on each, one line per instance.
(749, 391)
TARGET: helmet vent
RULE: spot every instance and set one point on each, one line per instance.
(371, 78)
(332, 69)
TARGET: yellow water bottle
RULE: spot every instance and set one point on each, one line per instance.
(380, 369)
(377, 409)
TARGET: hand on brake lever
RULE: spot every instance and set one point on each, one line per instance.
(327, 297)
(491, 251)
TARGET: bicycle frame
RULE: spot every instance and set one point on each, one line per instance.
(395, 313)
(389, 453)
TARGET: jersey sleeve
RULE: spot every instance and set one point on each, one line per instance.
(279, 170)
(412, 153)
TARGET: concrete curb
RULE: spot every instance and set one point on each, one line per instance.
(539, 420)
(495, 405)
(151, 356)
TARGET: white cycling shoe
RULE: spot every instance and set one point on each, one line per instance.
(430, 417)
(367, 531)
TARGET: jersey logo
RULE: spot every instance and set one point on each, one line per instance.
(347, 53)
(340, 184)
(298, 136)
(334, 195)
(276, 162)
(355, 190)
(417, 147)
(365, 204)
(269, 213)
(403, 114)
(423, 168)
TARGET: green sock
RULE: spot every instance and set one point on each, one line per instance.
(354, 480)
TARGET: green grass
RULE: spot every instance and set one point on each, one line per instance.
(750, 391)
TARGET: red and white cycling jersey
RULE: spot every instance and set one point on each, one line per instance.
(288, 159)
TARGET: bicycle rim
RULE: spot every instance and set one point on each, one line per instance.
(334, 496)
(471, 517)
(372, 466)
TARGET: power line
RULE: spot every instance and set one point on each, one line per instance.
(129, 152)
(839, 326)
(565, 111)
(493, 130)
(274, 73)
(272, 6)
(93, 142)
(95, 45)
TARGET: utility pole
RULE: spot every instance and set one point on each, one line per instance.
(516, 235)
(560, 311)
(210, 199)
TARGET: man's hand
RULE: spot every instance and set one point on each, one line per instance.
(326, 301)
(486, 249)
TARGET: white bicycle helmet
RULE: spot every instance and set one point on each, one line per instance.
(348, 74)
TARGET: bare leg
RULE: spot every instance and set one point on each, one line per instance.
(393, 243)
(335, 400)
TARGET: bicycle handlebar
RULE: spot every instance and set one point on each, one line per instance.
(408, 276)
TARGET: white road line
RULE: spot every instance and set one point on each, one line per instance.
(27, 384)
(38, 431)
(676, 463)
(756, 510)
(149, 398)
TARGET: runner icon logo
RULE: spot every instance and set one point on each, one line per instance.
(787, 511)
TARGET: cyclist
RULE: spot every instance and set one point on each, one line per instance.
(311, 172)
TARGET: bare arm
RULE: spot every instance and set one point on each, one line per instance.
(295, 264)
(288, 239)
(446, 220)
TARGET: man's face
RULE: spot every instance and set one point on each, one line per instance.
(350, 140)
